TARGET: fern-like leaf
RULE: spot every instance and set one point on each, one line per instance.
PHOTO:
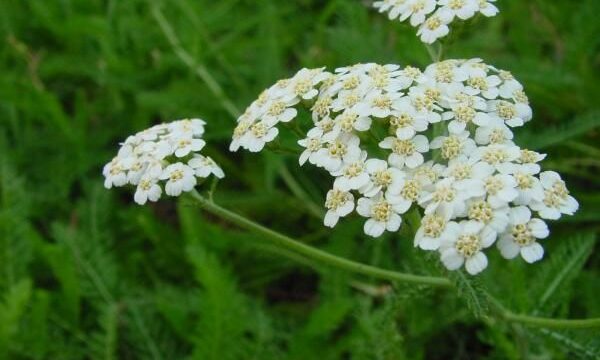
(472, 292)
(560, 269)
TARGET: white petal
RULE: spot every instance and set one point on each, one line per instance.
(532, 253)
(476, 264)
(374, 228)
(452, 259)
(508, 248)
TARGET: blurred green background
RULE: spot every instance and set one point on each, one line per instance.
(87, 274)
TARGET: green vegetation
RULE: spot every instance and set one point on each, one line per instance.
(87, 274)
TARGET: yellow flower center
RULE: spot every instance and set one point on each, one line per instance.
(522, 235)
(494, 156)
(468, 245)
(478, 83)
(276, 109)
(381, 211)
(465, 114)
(461, 171)
(451, 147)
(259, 130)
(382, 178)
(337, 149)
(354, 169)
(336, 199)
(506, 110)
(481, 211)
(176, 175)
(444, 194)
(410, 190)
(433, 225)
(403, 147)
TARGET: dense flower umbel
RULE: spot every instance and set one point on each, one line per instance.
(433, 17)
(165, 154)
(445, 146)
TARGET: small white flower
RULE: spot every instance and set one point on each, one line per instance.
(186, 144)
(448, 196)
(204, 166)
(494, 132)
(311, 144)
(186, 127)
(462, 115)
(428, 173)
(382, 177)
(303, 84)
(351, 120)
(343, 150)
(147, 189)
(339, 204)
(258, 135)
(529, 187)
(494, 219)
(463, 9)
(280, 110)
(464, 245)
(380, 104)
(115, 173)
(435, 27)
(180, 178)
(454, 145)
(432, 232)
(501, 189)
(487, 86)
(487, 8)
(521, 237)
(556, 200)
(513, 115)
(417, 10)
(499, 156)
(405, 121)
(406, 152)
(352, 176)
(382, 214)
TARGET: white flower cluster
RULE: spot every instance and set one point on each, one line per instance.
(397, 139)
(166, 153)
(432, 17)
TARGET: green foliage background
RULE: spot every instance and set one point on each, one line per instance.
(87, 274)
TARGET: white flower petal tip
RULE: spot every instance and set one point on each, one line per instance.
(165, 156)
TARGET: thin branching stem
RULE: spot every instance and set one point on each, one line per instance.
(316, 254)
(334, 261)
(200, 70)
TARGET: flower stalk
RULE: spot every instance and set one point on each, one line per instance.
(316, 254)
(334, 261)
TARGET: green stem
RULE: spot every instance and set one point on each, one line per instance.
(435, 51)
(552, 323)
(200, 70)
(316, 254)
(299, 192)
(341, 263)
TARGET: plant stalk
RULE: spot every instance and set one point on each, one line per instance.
(316, 254)
(341, 263)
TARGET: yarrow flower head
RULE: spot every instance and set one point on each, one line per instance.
(163, 156)
(438, 142)
(433, 17)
